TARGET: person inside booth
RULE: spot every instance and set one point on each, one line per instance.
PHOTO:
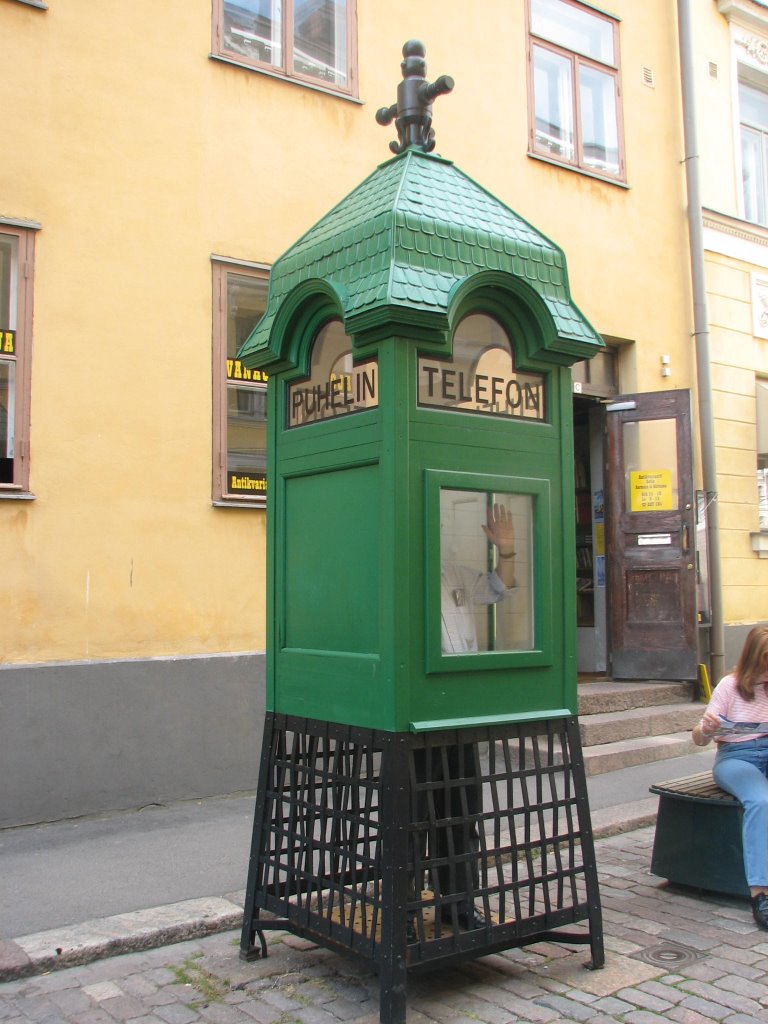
(465, 592)
(463, 589)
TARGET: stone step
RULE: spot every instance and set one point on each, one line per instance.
(606, 697)
(634, 723)
(610, 757)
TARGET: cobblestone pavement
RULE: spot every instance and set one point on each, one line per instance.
(672, 955)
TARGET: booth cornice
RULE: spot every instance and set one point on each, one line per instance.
(397, 249)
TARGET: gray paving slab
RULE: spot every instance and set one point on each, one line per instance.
(203, 979)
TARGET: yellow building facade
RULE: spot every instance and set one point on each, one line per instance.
(158, 159)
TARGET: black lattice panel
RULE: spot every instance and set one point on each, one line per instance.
(487, 830)
(495, 827)
(320, 849)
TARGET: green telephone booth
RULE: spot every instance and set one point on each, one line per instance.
(421, 794)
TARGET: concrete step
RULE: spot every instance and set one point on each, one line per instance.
(610, 757)
(606, 697)
(633, 723)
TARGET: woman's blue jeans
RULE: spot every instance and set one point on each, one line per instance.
(742, 770)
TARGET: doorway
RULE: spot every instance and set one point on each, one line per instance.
(591, 625)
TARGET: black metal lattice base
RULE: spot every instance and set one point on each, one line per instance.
(418, 850)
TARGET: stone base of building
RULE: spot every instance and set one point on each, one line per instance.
(87, 737)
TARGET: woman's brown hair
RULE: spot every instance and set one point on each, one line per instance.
(753, 662)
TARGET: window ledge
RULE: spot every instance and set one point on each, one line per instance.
(223, 503)
(760, 544)
(577, 170)
(40, 4)
(285, 78)
(17, 495)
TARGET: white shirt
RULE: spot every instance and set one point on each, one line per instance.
(726, 700)
(462, 589)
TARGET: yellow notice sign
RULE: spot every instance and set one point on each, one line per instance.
(651, 490)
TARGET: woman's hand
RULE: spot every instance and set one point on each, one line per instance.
(500, 530)
(705, 730)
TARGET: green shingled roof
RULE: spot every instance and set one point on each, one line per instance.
(405, 237)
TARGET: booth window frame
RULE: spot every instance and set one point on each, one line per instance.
(539, 490)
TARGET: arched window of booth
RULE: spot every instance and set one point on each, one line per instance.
(481, 376)
(336, 385)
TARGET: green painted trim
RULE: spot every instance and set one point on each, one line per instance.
(464, 723)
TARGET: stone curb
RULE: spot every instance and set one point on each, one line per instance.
(79, 944)
(74, 945)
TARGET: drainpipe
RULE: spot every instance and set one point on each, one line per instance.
(701, 339)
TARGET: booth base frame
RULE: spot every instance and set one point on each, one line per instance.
(421, 850)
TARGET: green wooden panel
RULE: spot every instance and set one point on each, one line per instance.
(330, 593)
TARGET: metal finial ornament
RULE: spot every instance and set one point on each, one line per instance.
(412, 113)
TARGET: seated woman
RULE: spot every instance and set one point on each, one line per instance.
(741, 762)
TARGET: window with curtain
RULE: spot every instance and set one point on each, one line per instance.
(753, 118)
(575, 110)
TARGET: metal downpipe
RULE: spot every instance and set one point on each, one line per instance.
(701, 338)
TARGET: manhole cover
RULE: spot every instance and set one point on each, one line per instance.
(669, 954)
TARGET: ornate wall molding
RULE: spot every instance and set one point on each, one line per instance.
(749, 14)
(756, 48)
(726, 225)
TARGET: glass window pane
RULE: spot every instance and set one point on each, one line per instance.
(247, 441)
(320, 39)
(602, 370)
(9, 248)
(486, 601)
(246, 430)
(599, 123)
(246, 302)
(553, 104)
(753, 106)
(650, 465)
(761, 413)
(253, 29)
(7, 419)
(753, 175)
(574, 29)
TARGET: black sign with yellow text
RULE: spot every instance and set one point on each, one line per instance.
(252, 484)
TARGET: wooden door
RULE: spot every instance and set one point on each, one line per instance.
(650, 524)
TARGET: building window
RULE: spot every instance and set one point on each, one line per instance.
(239, 394)
(761, 411)
(574, 61)
(16, 263)
(753, 118)
(313, 41)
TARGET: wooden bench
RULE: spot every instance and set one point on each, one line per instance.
(698, 836)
